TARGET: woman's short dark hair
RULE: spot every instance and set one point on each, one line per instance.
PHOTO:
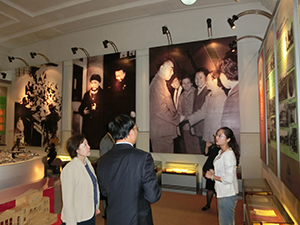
(120, 126)
(229, 68)
(232, 143)
(73, 144)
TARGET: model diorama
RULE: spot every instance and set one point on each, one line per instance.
(31, 208)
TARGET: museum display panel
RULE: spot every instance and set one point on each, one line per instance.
(180, 177)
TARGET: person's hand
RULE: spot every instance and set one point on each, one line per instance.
(97, 211)
(208, 174)
(208, 143)
(86, 111)
(212, 171)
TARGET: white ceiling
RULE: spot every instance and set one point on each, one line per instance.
(24, 22)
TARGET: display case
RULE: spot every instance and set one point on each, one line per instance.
(180, 177)
(256, 186)
(265, 210)
(158, 170)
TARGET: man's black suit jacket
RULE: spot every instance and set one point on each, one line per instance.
(128, 180)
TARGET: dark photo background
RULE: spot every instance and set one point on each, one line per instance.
(116, 97)
(189, 57)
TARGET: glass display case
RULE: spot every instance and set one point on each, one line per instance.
(256, 186)
(265, 210)
(158, 170)
(180, 177)
(180, 168)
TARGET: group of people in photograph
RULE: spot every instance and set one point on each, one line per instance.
(186, 110)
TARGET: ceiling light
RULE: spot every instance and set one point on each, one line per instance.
(188, 2)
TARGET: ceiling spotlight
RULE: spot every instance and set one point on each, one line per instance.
(234, 42)
(11, 58)
(3, 75)
(167, 32)
(106, 42)
(253, 11)
(209, 29)
(231, 21)
(188, 2)
(34, 54)
(232, 46)
(75, 49)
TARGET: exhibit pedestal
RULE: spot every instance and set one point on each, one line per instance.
(23, 172)
(180, 177)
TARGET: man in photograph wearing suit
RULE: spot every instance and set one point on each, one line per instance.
(163, 115)
(127, 178)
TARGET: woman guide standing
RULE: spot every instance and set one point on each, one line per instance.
(224, 175)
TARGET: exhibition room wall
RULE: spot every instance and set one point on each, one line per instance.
(140, 34)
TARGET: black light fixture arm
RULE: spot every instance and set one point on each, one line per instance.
(11, 58)
(105, 42)
(33, 54)
(166, 31)
(75, 49)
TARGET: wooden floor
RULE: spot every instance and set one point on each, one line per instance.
(180, 209)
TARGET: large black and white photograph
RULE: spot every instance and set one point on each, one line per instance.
(38, 99)
(194, 91)
(103, 86)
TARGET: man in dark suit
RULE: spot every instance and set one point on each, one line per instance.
(164, 118)
(127, 178)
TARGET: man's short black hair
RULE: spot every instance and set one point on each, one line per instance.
(120, 126)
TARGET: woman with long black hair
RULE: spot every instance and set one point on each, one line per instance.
(224, 175)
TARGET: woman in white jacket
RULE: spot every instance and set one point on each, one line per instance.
(80, 191)
(224, 174)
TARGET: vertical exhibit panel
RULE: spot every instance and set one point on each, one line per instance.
(287, 97)
(262, 106)
(271, 100)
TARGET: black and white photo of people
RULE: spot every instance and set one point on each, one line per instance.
(38, 99)
(193, 92)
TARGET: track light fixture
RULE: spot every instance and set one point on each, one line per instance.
(209, 29)
(106, 42)
(3, 75)
(75, 49)
(34, 54)
(11, 58)
(234, 42)
(167, 32)
(253, 11)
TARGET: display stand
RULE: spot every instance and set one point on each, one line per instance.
(257, 186)
(265, 210)
(180, 177)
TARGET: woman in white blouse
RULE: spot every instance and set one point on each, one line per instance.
(224, 174)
